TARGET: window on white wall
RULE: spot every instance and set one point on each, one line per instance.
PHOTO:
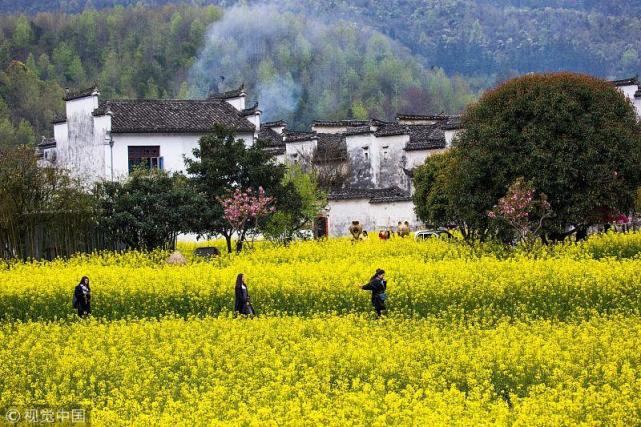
(145, 156)
(366, 152)
(386, 153)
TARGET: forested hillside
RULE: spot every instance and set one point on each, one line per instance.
(473, 37)
(128, 52)
(154, 53)
(310, 58)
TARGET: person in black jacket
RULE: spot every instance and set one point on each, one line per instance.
(378, 286)
(241, 303)
(82, 297)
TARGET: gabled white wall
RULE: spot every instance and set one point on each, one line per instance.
(362, 173)
(278, 129)
(417, 157)
(390, 167)
(173, 149)
(629, 92)
(255, 120)
(328, 129)
(81, 152)
(373, 216)
(300, 151)
(238, 102)
(449, 136)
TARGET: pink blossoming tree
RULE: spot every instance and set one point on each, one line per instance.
(520, 210)
(243, 209)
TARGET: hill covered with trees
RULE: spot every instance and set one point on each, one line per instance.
(473, 37)
(342, 70)
(317, 59)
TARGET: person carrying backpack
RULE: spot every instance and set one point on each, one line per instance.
(378, 286)
(242, 305)
(82, 297)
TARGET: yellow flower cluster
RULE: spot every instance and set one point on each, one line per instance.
(434, 278)
(476, 335)
(327, 370)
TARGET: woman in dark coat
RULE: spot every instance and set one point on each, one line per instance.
(82, 294)
(378, 286)
(242, 304)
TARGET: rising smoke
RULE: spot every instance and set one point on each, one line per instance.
(302, 67)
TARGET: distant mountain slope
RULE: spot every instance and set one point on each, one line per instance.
(472, 37)
(298, 67)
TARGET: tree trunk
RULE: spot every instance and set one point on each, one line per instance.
(228, 241)
(241, 240)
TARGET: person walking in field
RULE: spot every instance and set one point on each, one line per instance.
(242, 304)
(82, 297)
(378, 286)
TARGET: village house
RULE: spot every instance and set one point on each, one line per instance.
(367, 163)
(371, 162)
(104, 139)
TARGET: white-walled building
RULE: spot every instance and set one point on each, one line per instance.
(103, 139)
(632, 91)
(375, 159)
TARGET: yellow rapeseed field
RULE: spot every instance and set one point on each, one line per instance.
(476, 335)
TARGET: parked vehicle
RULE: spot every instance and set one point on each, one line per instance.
(429, 234)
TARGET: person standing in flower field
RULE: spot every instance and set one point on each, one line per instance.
(82, 297)
(378, 286)
(242, 304)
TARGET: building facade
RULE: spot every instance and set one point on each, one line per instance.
(370, 161)
(367, 163)
(104, 139)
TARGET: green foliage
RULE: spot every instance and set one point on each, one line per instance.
(43, 213)
(136, 52)
(223, 163)
(147, 211)
(309, 199)
(301, 69)
(574, 137)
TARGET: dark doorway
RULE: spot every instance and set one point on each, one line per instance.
(320, 227)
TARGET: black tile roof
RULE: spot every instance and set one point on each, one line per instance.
(452, 123)
(375, 195)
(340, 123)
(436, 117)
(81, 93)
(172, 116)
(275, 151)
(357, 130)
(296, 136)
(331, 147)
(626, 82)
(391, 129)
(229, 94)
(425, 137)
(272, 138)
(47, 143)
(59, 118)
(276, 124)
(250, 111)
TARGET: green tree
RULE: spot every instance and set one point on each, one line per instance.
(43, 213)
(574, 138)
(23, 34)
(147, 211)
(222, 164)
(285, 224)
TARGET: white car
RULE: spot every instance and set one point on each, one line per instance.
(429, 234)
